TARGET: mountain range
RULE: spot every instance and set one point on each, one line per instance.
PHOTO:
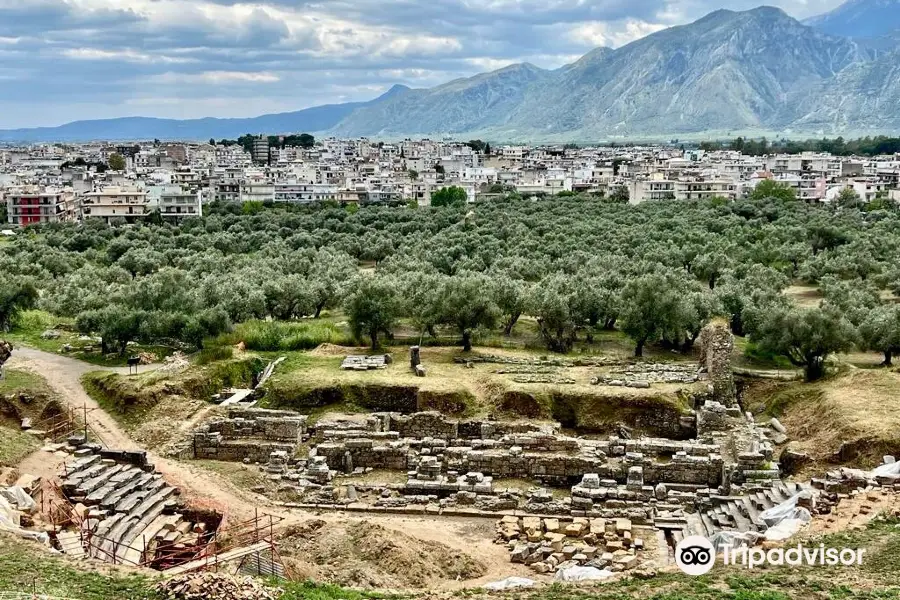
(752, 71)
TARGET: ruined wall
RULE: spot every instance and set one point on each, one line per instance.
(212, 446)
(258, 423)
(249, 434)
(716, 348)
(655, 414)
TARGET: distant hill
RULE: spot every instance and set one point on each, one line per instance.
(752, 70)
(317, 118)
(860, 19)
(756, 70)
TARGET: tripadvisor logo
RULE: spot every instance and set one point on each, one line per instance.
(695, 555)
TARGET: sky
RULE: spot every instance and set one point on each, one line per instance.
(65, 60)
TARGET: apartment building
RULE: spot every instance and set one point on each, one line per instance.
(305, 193)
(31, 206)
(679, 189)
(177, 202)
(110, 203)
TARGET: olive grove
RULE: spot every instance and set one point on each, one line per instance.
(576, 265)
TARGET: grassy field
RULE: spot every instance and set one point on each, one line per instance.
(17, 380)
(31, 324)
(313, 382)
(27, 567)
(16, 444)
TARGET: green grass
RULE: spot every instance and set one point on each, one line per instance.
(97, 383)
(15, 445)
(15, 380)
(309, 590)
(214, 354)
(278, 336)
(29, 326)
(27, 567)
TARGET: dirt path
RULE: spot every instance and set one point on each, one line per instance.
(205, 488)
(64, 374)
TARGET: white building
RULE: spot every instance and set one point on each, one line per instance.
(177, 202)
(109, 203)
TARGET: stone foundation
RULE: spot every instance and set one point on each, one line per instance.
(249, 434)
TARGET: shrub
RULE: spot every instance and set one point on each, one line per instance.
(277, 336)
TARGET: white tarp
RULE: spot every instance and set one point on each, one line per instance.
(582, 574)
(19, 498)
(786, 510)
(509, 583)
(785, 529)
(9, 521)
(888, 470)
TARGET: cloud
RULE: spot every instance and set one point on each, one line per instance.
(78, 59)
(214, 77)
(125, 55)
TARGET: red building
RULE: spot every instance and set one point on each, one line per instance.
(28, 207)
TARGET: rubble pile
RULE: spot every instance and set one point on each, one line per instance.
(846, 480)
(547, 545)
(366, 363)
(174, 363)
(214, 586)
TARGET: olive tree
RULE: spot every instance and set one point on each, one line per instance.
(372, 308)
(468, 305)
(805, 336)
(651, 305)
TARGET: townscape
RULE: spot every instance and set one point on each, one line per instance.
(62, 182)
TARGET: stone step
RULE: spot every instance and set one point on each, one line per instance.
(89, 485)
(110, 501)
(157, 497)
(143, 515)
(73, 480)
(111, 487)
(81, 464)
(127, 504)
(111, 546)
(144, 539)
(101, 533)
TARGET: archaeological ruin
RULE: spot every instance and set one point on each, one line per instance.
(700, 471)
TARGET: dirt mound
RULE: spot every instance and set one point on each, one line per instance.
(364, 554)
(850, 418)
(327, 349)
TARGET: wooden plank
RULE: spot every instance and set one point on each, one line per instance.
(217, 559)
(238, 396)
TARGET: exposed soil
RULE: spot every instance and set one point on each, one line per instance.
(362, 553)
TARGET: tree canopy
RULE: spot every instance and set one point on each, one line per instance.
(655, 271)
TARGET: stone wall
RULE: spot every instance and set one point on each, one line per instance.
(716, 348)
(249, 434)
(258, 423)
(212, 446)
